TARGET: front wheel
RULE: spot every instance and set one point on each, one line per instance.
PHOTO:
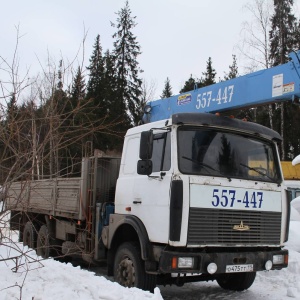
(236, 281)
(129, 269)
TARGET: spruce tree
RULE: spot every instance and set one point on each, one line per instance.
(210, 74)
(247, 113)
(167, 91)
(126, 51)
(283, 39)
(73, 124)
(282, 33)
(233, 69)
(110, 84)
(191, 84)
(115, 111)
(96, 70)
(78, 87)
(77, 113)
(96, 104)
(12, 108)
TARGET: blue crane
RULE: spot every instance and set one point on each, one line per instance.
(277, 84)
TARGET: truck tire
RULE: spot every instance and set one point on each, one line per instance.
(29, 235)
(129, 268)
(43, 242)
(236, 281)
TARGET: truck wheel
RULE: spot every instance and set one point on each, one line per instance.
(236, 281)
(29, 235)
(129, 269)
(43, 242)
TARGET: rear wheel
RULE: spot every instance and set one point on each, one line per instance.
(29, 235)
(236, 281)
(129, 269)
(43, 242)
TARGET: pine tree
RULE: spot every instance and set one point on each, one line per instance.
(210, 74)
(233, 69)
(126, 50)
(191, 84)
(167, 91)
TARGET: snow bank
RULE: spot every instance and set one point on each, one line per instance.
(294, 236)
(289, 277)
(296, 204)
(295, 216)
(51, 280)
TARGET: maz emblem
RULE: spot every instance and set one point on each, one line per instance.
(241, 227)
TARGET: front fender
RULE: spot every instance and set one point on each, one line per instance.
(110, 234)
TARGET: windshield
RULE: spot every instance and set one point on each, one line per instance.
(214, 153)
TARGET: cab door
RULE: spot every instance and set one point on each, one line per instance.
(152, 193)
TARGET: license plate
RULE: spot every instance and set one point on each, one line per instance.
(239, 268)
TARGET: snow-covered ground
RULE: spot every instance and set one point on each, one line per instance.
(38, 279)
(49, 279)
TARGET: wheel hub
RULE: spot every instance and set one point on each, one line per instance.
(126, 273)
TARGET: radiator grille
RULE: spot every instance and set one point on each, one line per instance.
(215, 226)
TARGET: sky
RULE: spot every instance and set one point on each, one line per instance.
(176, 37)
(52, 280)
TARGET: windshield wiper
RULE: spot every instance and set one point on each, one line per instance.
(200, 163)
(261, 171)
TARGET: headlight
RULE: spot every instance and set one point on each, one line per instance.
(278, 259)
(185, 262)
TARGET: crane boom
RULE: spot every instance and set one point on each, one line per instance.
(277, 84)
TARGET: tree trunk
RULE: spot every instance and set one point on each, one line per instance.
(282, 132)
(271, 116)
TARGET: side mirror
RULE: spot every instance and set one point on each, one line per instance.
(144, 167)
(296, 160)
(146, 144)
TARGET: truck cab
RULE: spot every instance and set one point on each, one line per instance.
(206, 193)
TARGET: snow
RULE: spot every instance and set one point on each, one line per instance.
(296, 160)
(296, 204)
(295, 216)
(40, 279)
(294, 184)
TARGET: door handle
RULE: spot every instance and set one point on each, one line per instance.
(137, 202)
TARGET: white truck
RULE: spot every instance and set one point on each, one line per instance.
(194, 197)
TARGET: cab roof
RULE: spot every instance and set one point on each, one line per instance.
(207, 119)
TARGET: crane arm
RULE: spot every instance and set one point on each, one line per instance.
(277, 84)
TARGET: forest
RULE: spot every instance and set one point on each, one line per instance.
(47, 133)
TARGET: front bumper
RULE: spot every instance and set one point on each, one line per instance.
(221, 259)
